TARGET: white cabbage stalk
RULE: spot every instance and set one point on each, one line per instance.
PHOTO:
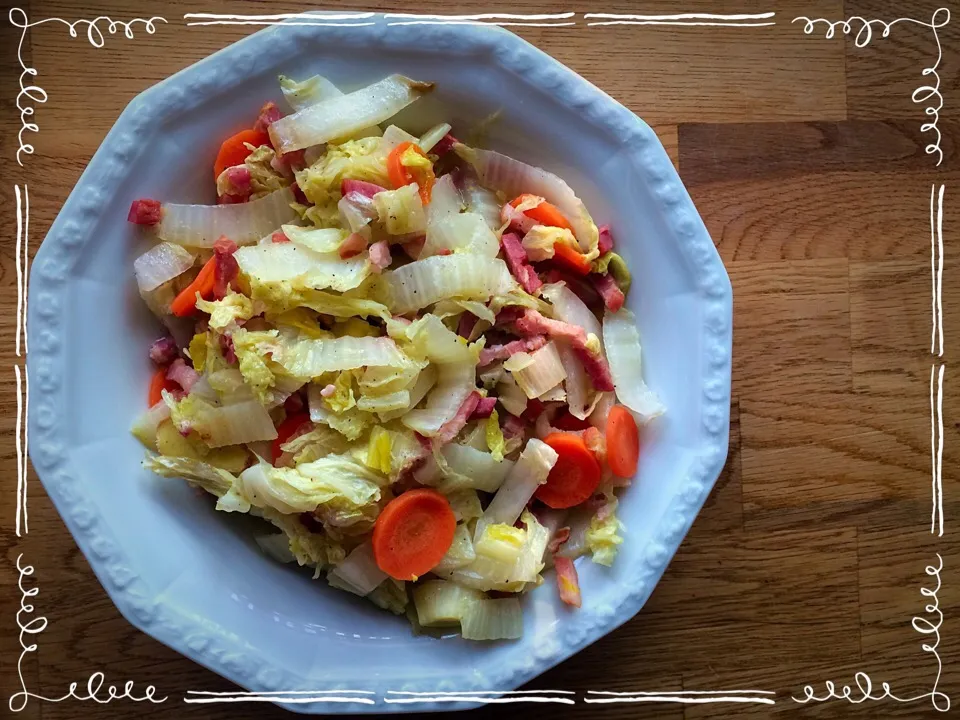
(455, 382)
(500, 172)
(425, 382)
(432, 136)
(394, 136)
(461, 552)
(484, 203)
(308, 358)
(235, 424)
(437, 342)
(303, 94)
(622, 343)
(605, 403)
(244, 223)
(464, 232)
(401, 210)
(500, 619)
(445, 200)
(278, 262)
(477, 469)
(530, 471)
(359, 570)
(357, 212)
(538, 372)
(339, 117)
(424, 282)
(511, 395)
(465, 504)
(571, 309)
(440, 603)
(567, 307)
(504, 567)
(399, 400)
(320, 240)
(145, 427)
(276, 546)
(579, 522)
(160, 264)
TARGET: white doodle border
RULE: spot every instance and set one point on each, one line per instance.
(35, 94)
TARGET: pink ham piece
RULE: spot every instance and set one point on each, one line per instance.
(510, 314)
(226, 349)
(513, 426)
(225, 269)
(414, 247)
(164, 351)
(367, 189)
(605, 243)
(518, 263)
(502, 352)
(182, 374)
(449, 430)
(533, 323)
(269, 114)
(609, 290)
(567, 581)
(144, 212)
(380, 256)
(484, 408)
(468, 321)
(352, 246)
(444, 145)
(279, 237)
(293, 160)
(328, 390)
(240, 181)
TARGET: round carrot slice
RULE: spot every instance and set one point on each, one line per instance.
(413, 533)
(623, 442)
(574, 477)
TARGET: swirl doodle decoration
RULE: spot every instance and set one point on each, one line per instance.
(31, 94)
(928, 95)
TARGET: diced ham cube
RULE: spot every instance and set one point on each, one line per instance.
(144, 212)
(444, 145)
(352, 246)
(269, 114)
(164, 351)
(367, 189)
(605, 243)
(226, 348)
(279, 237)
(558, 539)
(513, 426)
(240, 180)
(484, 407)
(225, 269)
(380, 255)
(468, 321)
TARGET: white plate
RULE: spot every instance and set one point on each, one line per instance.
(194, 579)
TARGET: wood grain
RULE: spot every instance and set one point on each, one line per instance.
(805, 158)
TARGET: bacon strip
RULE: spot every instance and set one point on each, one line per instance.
(533, 323)
(449, 430)
(502, 352)
(353, 245)
(269, 114)
(558, 539)
(519, 265)
(567, 581)
(609, 290)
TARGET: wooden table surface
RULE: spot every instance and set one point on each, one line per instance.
(805, 158)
